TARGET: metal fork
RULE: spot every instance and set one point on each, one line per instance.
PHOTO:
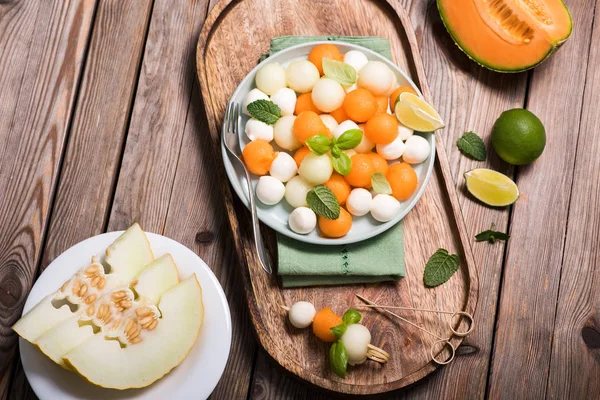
(231, 140)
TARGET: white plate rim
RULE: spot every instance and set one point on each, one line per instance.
(239, 183)
(210, 285)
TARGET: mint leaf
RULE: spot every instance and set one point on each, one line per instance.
(323, 202)
(440, 267)
(351, 317)
(338, 358)
(491, 235)
(380, 183)
(341, 164)
(349, 139)
(339, 330)
(342, 73)
(265, 111)
(318, 144)
(472, 146)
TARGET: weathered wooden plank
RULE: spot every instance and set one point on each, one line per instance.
(99, 125)
(42, 48)
(534, 258)
(574, 367)
(469, 98)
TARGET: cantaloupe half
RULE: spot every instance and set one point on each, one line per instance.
(507, 35)
(124, 259)
(127, 363)
(121, 302)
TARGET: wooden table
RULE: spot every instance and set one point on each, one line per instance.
(101, 124)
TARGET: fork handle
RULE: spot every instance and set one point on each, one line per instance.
(258, 241)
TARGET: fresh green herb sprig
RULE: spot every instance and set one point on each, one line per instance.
(265, 111)
(440, 267)
(321, 144)
(491, 235)
(472, 146)
(338, 355)
(323, 202)
(341, 72)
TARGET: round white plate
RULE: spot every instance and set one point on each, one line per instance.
(194, 378)
(276, 216)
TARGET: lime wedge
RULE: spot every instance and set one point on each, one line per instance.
(491, 187)
(417, 114)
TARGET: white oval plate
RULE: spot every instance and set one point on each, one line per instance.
(276, 217)
(196, 377)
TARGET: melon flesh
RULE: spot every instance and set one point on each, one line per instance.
(126, 257)
(155, 279)
(108, 364)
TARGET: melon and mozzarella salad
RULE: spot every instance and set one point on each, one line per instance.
(333, 136)
(122, 322)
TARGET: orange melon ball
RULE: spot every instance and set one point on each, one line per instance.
(300, 154)
(318, 53)
(258, 156)
(382, 129)
(308, 124)
(361, 171)
(304, 103)
(336, 228)
(339, 187)
(382, 105)
(403, 180)
(339, 115)
(360, 105)
(323, 321)
(379, 163)
(396, 93)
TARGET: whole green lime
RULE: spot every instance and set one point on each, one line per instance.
(518, 136)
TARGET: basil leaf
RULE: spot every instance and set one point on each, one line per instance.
(342, 164)
(338, 358)
(440, 267)
(265, 111)
(351, 317)
(349, 139)
(318, 144)
(380, 183)
(335, 151)
(472, 146)
(342, 73)
(323, 202)
(338, 330)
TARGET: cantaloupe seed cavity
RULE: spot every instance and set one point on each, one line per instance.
(502, 19)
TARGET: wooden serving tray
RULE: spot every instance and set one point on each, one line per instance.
(233, 37)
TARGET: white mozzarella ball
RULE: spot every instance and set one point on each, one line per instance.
(356, 58)
(285, 98)
(365, 145)
(343, 127)
(350, 88)
(329, 121)
(359, 202)
(417, 150)
(302, 313)
(296, 190)
(252, 96)
(270, 78)
(316, 169)
(283, 167)
(269, 190)
(376, 77)
(256, 129)
(350, 152)
(404, 132)
(356, 340)
(391, 151)
(302, 75)
(328, 95)
(284, 135)
(384, 207)
(302, 220)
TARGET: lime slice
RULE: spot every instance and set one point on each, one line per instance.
(491, 187)
(417, 114)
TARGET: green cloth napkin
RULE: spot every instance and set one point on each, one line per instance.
(374, 260)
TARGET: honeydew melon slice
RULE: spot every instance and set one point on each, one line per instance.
(152, 353)
(155, 279)
(126, 257)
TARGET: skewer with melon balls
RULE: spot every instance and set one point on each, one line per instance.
(351, 340)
